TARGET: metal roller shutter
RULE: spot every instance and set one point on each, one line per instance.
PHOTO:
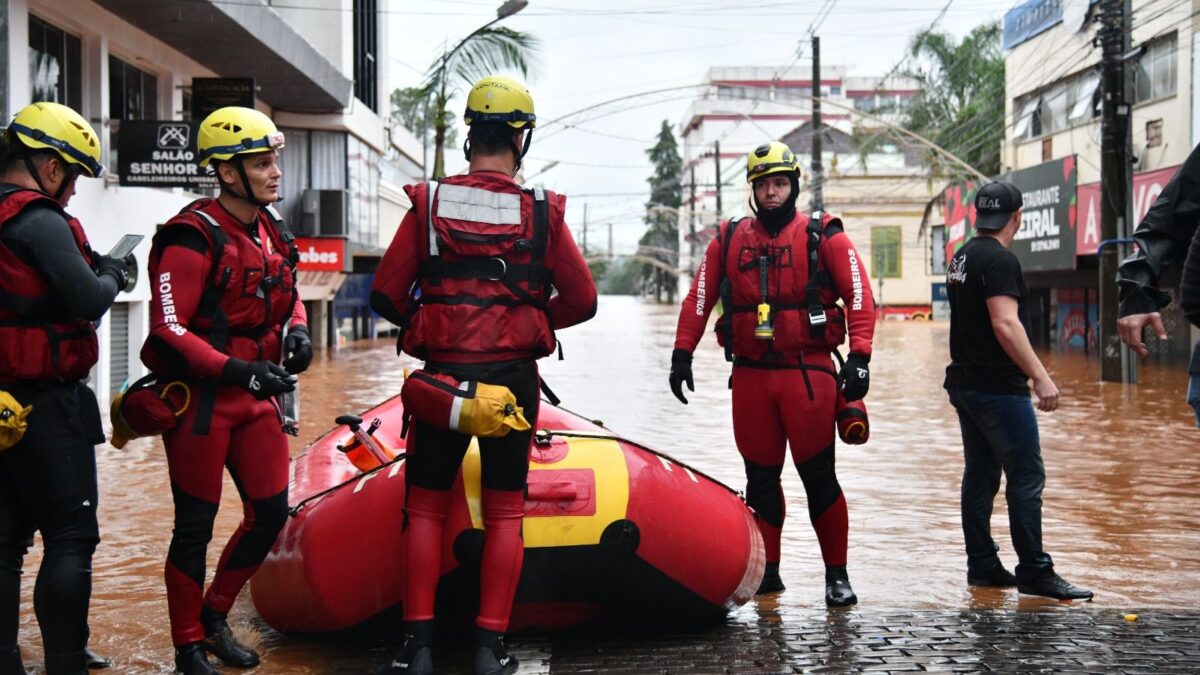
(118, 345)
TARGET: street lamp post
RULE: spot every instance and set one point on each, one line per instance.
(504, 11)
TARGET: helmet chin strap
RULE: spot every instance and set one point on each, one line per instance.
(33, 172)
(237, 160)
(519, 153)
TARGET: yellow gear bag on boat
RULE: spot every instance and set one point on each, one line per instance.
(468, 407)
(12, 420)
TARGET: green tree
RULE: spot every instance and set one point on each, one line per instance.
(960, 106)
(410, 107)
(661, 240)
(487, 51)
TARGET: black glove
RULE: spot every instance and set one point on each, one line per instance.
(263, 379)
(117, 268)
(855, 377)
(681, 371)
(298, 349)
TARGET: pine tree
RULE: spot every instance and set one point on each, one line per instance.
(661, 240)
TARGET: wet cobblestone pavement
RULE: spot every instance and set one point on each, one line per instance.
(1069, 639)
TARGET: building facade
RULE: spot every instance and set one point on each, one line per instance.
(313, 66)
(871, 174)
(1052, 149)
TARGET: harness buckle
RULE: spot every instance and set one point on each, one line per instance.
(817, 318)
(503, 270)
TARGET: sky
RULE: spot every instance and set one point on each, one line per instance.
(593, 52)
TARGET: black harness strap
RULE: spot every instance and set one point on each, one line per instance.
(726, 288)
(812, 290)
(210, 306)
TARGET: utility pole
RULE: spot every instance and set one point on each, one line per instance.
(1116, 362)
(818, 200)
(692, 220)
(717, 182)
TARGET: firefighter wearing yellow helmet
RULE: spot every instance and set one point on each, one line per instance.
(225, 287)
(497, 98)
(504, 275)
(790, 284)
(52, 288)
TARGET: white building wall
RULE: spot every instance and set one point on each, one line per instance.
(1063, 51)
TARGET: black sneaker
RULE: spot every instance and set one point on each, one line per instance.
(221, 643)
(415, 657)
(1050, 585)
(191, 660)
(771, 582)
(837, 588)
(491, 658)
(994, 576)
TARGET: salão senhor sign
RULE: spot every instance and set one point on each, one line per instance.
(160, 153)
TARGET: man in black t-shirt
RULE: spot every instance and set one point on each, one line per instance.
(991, 359)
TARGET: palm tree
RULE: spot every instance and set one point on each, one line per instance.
(488, 50)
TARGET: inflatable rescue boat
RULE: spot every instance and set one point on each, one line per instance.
(613, 531)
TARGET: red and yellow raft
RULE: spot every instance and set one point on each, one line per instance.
(613, 531)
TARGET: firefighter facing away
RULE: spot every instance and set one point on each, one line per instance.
(224, 287)
(468, 278)
(781, 274)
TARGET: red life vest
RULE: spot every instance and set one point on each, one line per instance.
(482, 285)
(36, 341)
(250, 293)
(804, 310)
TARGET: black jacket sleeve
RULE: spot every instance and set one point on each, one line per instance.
(1162, 239)
(41, 238)
(1189, 287)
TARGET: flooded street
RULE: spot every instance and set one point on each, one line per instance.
(1120, 508)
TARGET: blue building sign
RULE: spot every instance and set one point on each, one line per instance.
(1029, 19)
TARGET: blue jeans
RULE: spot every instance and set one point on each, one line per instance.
(1000, 433)
(1193, 395)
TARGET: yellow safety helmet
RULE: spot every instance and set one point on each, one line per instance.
(497, 98)
(771, 158)
(234, 130)
(53, 126)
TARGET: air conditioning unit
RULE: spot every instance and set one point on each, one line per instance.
(325, 212)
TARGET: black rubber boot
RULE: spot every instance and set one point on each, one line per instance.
(771, 582)
(491, 658)
(415, 657)
(837, 588)
(191, 660)
(219, 641)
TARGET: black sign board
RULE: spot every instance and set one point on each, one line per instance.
(161, 154)
(1046, 239)
(211, 93)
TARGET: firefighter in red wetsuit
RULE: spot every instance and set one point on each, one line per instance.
(780, 276)
(223, 288)
(471, 289)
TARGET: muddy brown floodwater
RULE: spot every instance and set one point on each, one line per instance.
(1121, 517)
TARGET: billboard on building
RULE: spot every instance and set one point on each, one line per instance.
(161, 153)
(1029, 19)
(1147, 186)
(1046, 239)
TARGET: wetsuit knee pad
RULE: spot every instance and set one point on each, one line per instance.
(820, 481)
(193, 530)
(270, 515)
(763, 491)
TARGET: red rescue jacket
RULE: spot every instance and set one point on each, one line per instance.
(247, 291)
(732, 260)
(482, 282)
(35, 342)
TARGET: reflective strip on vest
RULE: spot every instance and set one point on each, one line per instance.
(461, 202)
(430, 193)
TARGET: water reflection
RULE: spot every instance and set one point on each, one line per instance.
(1120, 514)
